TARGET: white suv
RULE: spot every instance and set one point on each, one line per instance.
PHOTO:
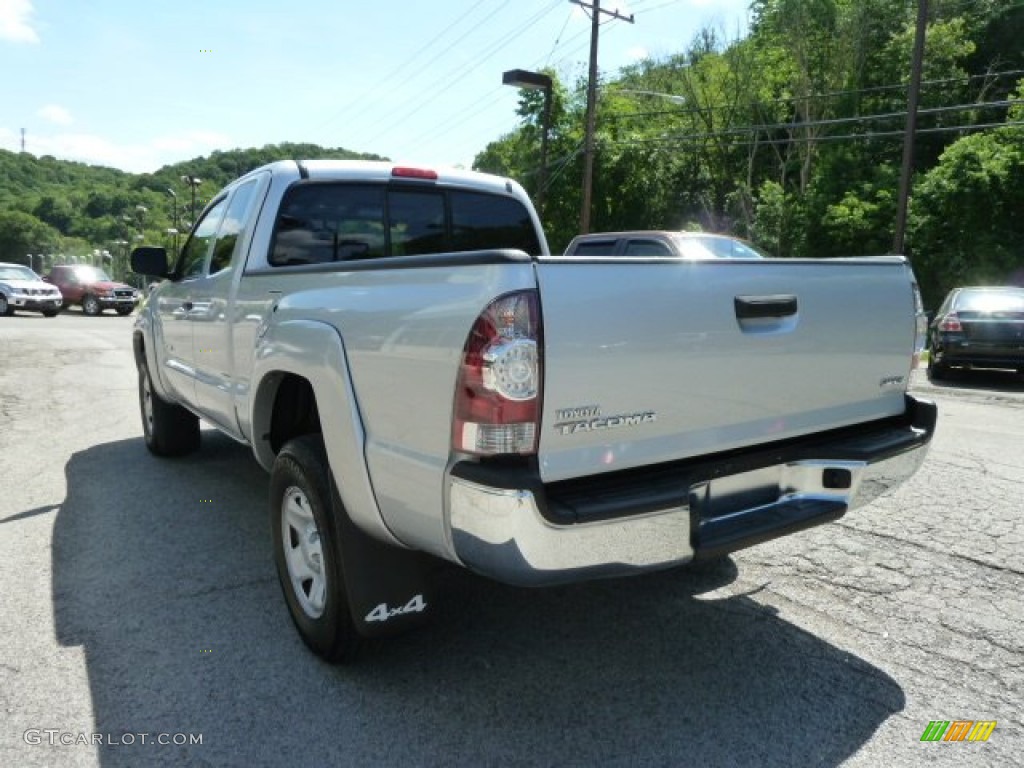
(21, 288)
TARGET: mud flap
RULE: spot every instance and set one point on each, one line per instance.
(386, 586)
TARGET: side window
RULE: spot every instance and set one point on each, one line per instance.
(647, 248)
(416, 222)
(481, 222)
(329, 222)
(193, 255)
(694, 248)
(232, 226)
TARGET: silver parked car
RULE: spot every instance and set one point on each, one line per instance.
(21, 288)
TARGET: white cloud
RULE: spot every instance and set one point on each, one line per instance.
(55, 114)
(15, 24)
(141, 157)
(638, 53)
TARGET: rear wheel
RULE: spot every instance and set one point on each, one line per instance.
(91, 305)
(936, 371)
(307, 549)
(169, 429)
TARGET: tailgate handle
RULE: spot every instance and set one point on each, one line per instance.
(750, 307)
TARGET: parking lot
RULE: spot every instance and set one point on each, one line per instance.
(143, 624)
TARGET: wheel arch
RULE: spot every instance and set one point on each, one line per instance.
(145, 352)
(302, 381)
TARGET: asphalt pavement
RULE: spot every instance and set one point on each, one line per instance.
(142, 623)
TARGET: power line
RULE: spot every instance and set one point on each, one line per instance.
(473, 110)
(558, 37)
(407, 62)
(696, 139)
(768, 128)
(790, 99)
(461, 72)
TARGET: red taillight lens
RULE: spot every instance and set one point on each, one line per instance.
(497, 397)
(951, 324)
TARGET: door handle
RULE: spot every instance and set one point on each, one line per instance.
(753, 307)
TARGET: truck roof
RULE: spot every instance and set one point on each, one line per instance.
(378, 170)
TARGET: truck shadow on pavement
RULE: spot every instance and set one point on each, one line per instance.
(163, 574)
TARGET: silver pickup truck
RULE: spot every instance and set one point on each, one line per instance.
(422, 379)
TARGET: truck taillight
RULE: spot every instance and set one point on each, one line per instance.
(497, 396)
(951, 323)
(920, 326)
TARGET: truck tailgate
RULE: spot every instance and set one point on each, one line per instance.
(646, 362)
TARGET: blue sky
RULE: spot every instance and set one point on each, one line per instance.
(137, 84)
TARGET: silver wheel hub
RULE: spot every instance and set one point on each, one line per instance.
(147, 405)
(303, 554)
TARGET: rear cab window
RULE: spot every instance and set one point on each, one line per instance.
(639, 247)
(330, 221)
(602, 247)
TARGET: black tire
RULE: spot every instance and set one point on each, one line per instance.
(307, 551)
(91, 305)
(122, 311)
(6, 310)
(936, 371)
(169, 429)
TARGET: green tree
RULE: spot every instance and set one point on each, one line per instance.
(965, 222)
(22, 233)
(55, 210)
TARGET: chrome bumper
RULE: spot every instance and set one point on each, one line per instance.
(505, 534)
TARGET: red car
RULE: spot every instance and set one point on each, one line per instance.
(93, 289)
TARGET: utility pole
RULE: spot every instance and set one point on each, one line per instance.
(588, 141)
(913, 95)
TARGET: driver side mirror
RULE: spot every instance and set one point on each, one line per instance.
(150, 261)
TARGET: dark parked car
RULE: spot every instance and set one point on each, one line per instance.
(93, 289)
(660, 243)
(978, 327)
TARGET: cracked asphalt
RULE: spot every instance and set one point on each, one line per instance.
(139, 597)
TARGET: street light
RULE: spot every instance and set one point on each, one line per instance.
(124, 248)
(174, 221)
(521, 78)
(193, 182)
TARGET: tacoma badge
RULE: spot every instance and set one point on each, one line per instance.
(589, 419)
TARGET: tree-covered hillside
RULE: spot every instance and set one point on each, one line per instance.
(58, 210)
(793, 137)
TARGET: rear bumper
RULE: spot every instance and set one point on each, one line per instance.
(507, 525)
(957, 350)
